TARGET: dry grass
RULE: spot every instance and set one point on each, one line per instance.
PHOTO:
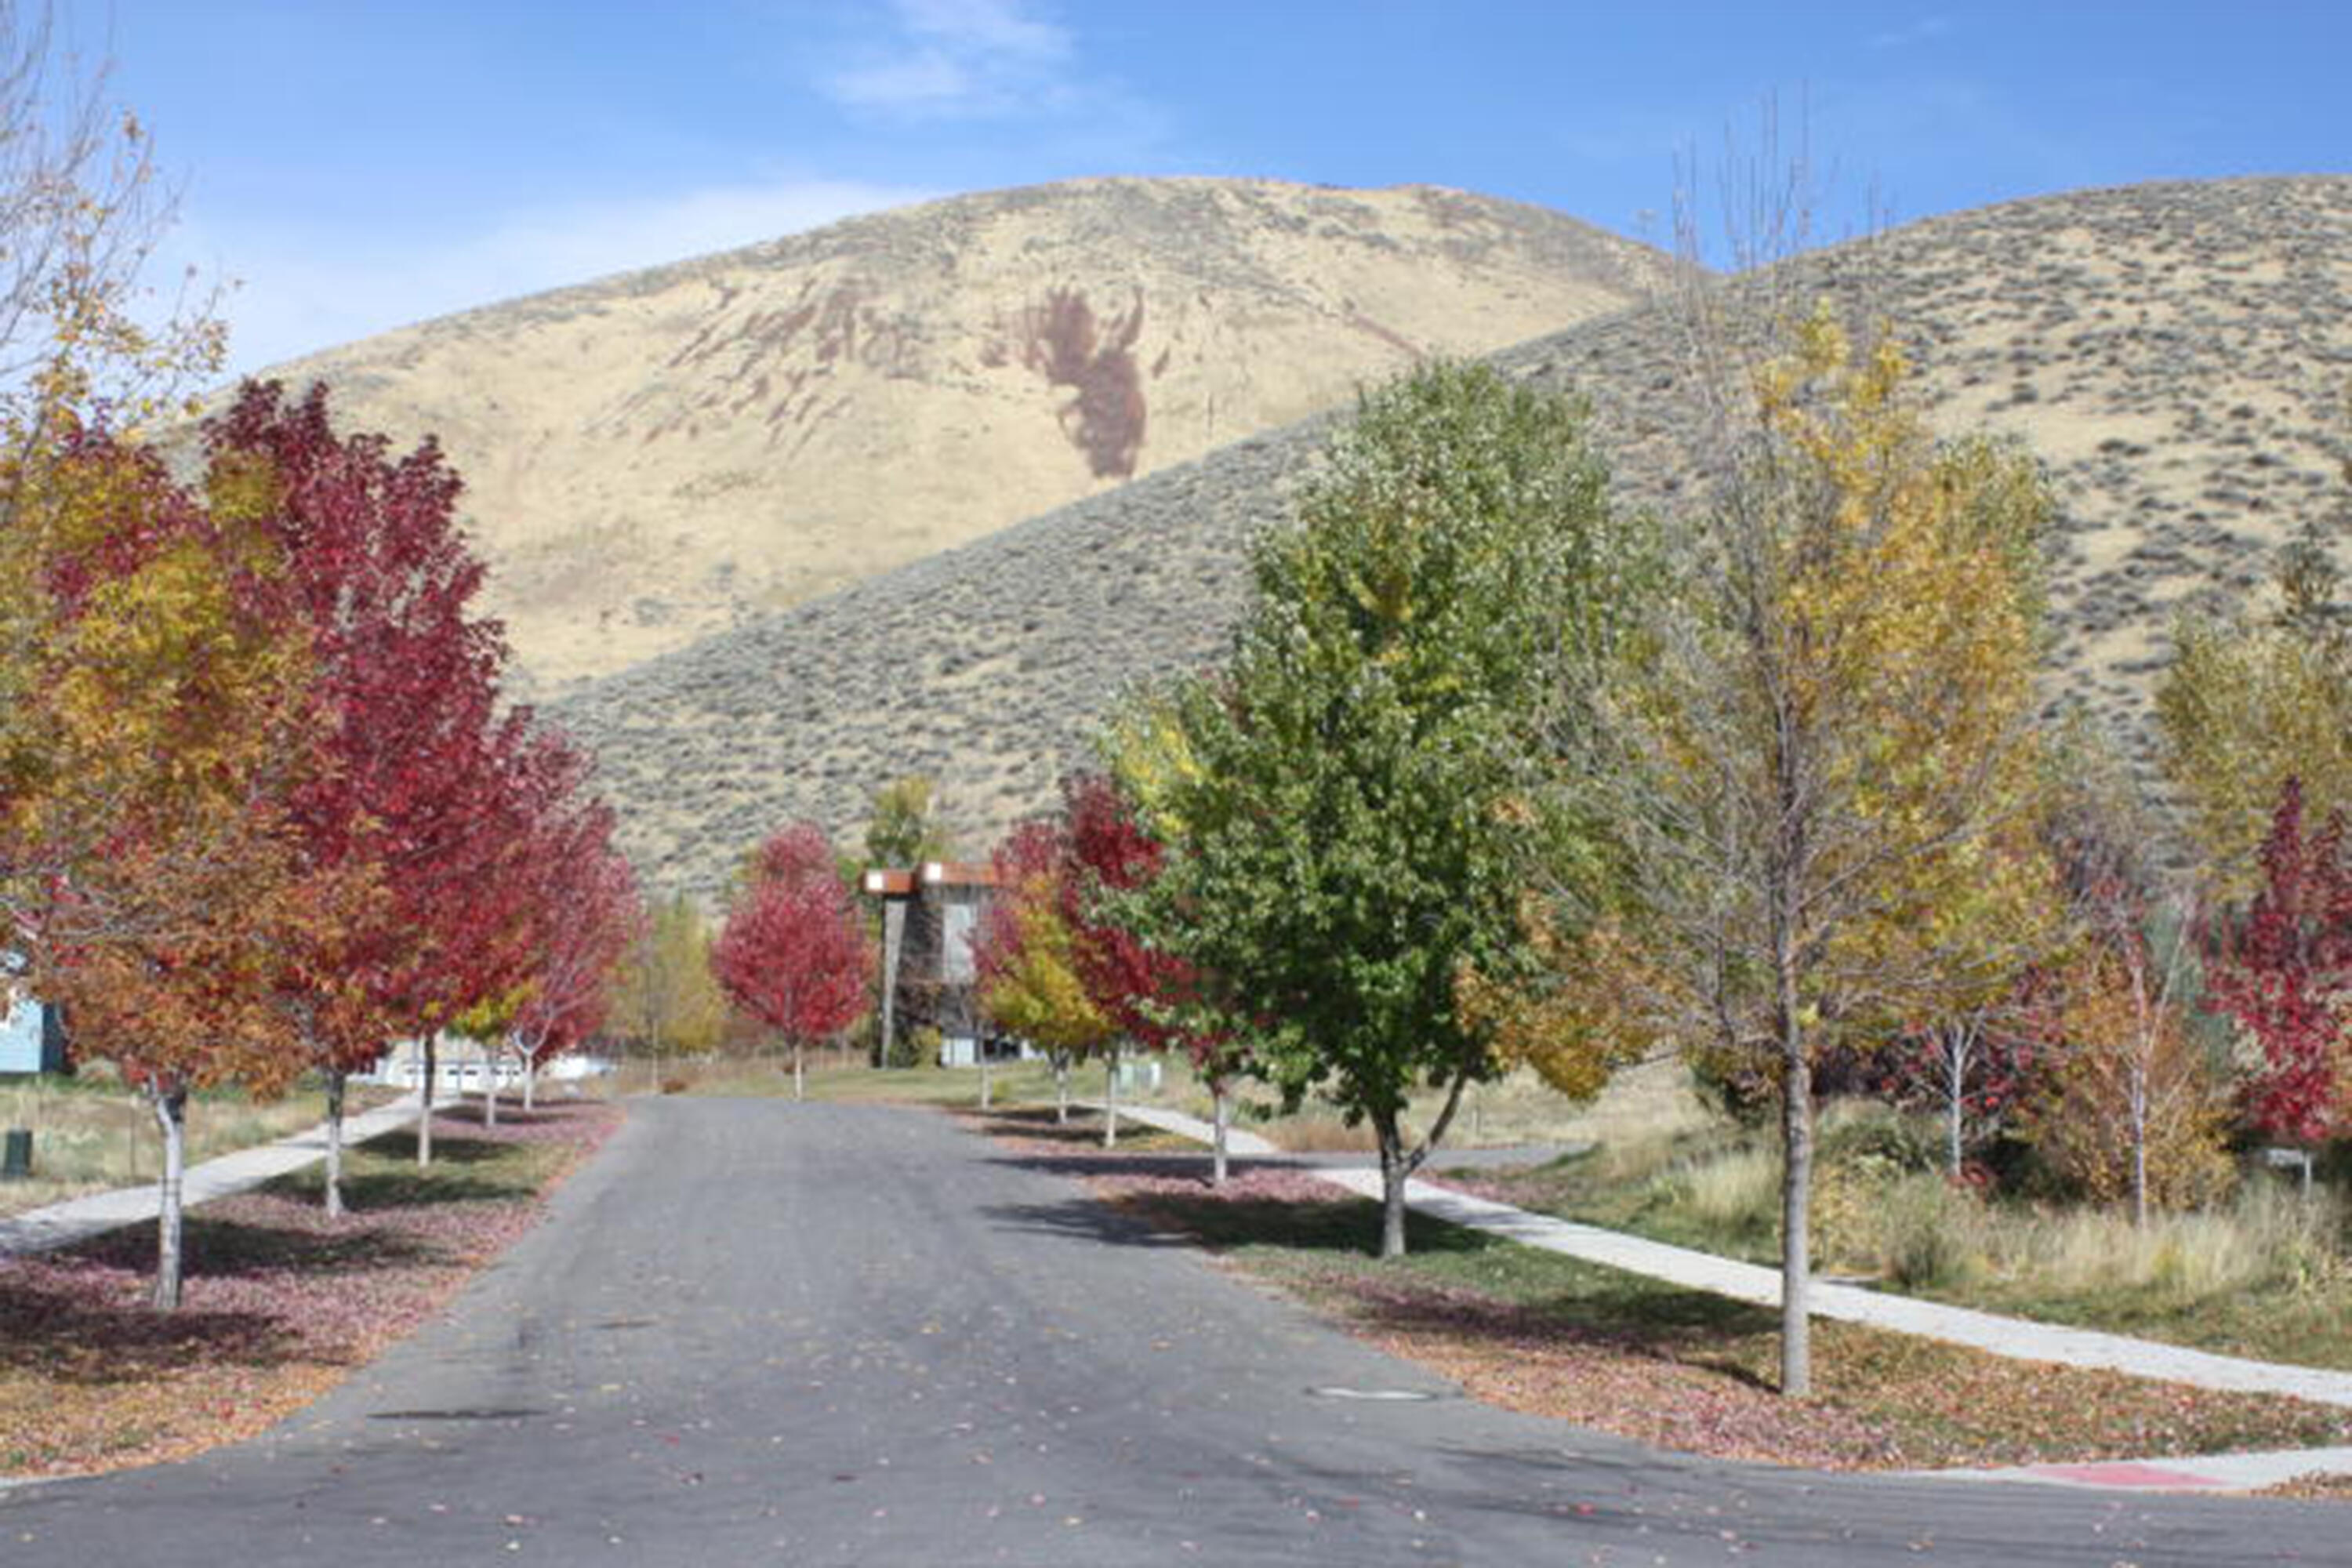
(2262, 1275)
(1517, 1108)
(90, 1134)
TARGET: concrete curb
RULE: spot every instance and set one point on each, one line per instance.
(78, 1219)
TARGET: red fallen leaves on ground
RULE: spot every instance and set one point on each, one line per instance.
(281, 1302)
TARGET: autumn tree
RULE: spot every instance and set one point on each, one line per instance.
(588, 912)
(1153, 996)
(1972, 1065)
(1832, 736)
(794, 954)
(2250, 701)
(82, 209)
(430, 783)
(665, 996)
(906, 825)
(83, 328)
(2130, 1104)
(1023, 954)
(151, 875)
(1360, 799)
(2283, 973)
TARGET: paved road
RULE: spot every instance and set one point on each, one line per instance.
(758, 1333)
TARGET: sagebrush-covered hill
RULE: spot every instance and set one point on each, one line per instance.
(659, 455)
(2173, 352)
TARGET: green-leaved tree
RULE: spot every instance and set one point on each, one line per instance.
(1361, 796)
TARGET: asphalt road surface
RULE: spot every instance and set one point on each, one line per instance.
(761, 1332)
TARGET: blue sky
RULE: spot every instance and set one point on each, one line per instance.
(357, 165)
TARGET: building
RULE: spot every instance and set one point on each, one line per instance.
(32, 1037)
(461, 1065)
(930, 913)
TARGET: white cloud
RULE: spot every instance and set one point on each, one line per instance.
(961, 60)
(301, 289)
(1925, 30)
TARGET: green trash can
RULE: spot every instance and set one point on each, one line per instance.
(16, 1158)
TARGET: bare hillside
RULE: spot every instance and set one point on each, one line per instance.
(655, 456)
(2171, 350)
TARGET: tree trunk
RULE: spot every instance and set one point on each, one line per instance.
(529, 1080)
(1394, 1173)
(1061, 1088)
(490, 1061)
(1220, 1116)
(1796, 1212)
(1956, 1064)
(2140, 1151)
(424, 1116)
(987, 1080)
(337, 1082)
(172, 1115)
(1110, 1099)
(800, 1077)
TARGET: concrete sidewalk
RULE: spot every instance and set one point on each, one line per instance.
(2014, 1337)
(77, 1220)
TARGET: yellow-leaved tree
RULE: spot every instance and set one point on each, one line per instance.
(1821, 774)
(1024, 955)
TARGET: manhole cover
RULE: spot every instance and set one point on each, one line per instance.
(1376, 1395)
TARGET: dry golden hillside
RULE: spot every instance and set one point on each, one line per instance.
(652, 458)
(2172, 351)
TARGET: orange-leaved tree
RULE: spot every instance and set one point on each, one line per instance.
(144, 850)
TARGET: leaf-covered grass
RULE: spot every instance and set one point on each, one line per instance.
(2314, 1487)
(1033, 1128)
(281, 1302)
(1536, 1332)
(91, 1133)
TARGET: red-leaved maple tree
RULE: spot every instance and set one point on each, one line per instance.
(427, 782)
(794, 954)
(587, 911)
(2285, 972)
(1145, 990)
